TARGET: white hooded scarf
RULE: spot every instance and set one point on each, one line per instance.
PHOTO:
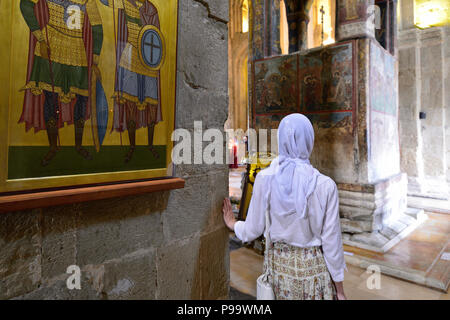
(295, 178)
(304, 204)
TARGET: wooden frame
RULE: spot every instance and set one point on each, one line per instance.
(48, 198)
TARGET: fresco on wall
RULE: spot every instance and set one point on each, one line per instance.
(319, 84)
(331, 120)
(275, 82)
(268, 121)
(383, 92)
(94, 82)
(326, 85)
(257, 29)
(326, 79)
(383, 83)
(274, 38)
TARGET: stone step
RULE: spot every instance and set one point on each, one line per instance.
(374, 239)
(355, 226)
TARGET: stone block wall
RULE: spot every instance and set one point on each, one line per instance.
(164, 245)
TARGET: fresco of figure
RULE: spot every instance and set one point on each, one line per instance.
(64, 47)
(140, 53)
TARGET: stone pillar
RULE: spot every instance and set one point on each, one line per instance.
(406, 16)
(423, 88)
(432, 103)
(447, 96)
(264, 28)
(274, 27)
(409, 108)
(373, 198)
(297, 12)
(257, 28)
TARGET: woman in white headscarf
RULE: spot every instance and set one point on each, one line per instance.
(307, 258)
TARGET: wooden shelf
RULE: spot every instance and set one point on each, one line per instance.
(42, 199)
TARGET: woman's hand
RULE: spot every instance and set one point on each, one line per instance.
(228, 215)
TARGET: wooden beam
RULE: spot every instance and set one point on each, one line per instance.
(25, 201)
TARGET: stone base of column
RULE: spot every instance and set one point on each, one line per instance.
(375, 216)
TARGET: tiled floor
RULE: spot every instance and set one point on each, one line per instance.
(419, 254)
(246, 266)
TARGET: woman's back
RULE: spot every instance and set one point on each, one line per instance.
(288, 227)
(304, 213)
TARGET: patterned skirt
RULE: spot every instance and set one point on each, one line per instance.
(299, 273)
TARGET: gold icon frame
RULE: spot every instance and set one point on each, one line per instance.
(14, 38)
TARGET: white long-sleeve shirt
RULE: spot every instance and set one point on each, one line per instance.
(320, 228)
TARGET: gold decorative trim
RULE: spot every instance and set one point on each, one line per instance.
(37, 89)
(123, 97)
(64, 48)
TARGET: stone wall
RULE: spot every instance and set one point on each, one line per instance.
(423, 87)
(166, 245)
(446, 54)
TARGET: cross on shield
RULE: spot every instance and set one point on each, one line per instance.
(151, 47)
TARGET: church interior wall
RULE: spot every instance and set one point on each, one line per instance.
(163, 245)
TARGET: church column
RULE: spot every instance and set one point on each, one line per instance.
(264, 28)
(409, 108)
(447, 96)
(274, 23)
(432, 103)
(297, 12)
(257, 39)
(422, 91)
